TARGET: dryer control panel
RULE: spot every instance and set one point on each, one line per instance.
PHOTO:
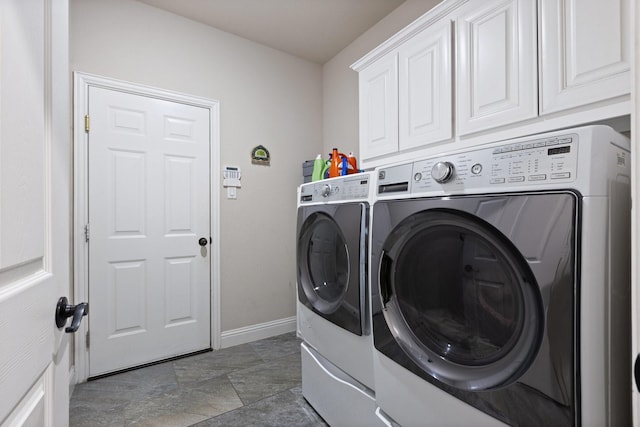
(353, 187)
(529, 162)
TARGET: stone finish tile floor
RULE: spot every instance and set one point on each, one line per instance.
(254, 384)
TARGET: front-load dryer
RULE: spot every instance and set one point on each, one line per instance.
(334, 317)
(501, 284)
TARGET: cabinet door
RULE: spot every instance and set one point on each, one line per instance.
(585, 52)
(425, 88)
(496, 64)
(378, 84)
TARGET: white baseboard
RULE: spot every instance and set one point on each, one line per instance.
(257, 332)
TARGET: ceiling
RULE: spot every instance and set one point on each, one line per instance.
(315, 30)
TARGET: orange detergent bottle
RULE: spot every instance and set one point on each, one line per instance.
(336, 163)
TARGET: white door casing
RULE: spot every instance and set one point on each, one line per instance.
(35, 200)
(635, 209)
(146, 191)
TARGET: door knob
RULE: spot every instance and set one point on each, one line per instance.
(202, 241)
(65, 310)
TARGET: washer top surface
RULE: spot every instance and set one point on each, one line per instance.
(582, 159)
(356, 187)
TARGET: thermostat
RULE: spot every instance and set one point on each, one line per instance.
(231, 175)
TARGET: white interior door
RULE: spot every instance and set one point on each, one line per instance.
(35, 188)
(149, 208)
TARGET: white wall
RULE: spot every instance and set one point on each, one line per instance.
(340, 83)
(266, 97)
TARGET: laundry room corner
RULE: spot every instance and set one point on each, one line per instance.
(340, 83)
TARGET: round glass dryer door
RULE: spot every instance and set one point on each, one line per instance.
(323, 263)
(460, 300)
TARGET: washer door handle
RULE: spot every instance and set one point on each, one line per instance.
(636, 371)
(385, 278)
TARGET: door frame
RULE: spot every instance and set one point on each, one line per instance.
(635, 208)
(82, 82)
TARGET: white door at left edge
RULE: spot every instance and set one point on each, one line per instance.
(149, 229)
(35, 198)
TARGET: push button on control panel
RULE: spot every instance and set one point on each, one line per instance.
(535, 161)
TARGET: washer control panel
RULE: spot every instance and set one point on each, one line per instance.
(545, 160)
(355, 187)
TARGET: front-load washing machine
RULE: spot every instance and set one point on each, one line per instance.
(501, 284)
(334, 317)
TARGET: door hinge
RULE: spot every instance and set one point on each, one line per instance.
(86, 340)
(86, 233)
(86, 123)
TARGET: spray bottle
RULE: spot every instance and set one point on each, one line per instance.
(318, 168)
(353, 164)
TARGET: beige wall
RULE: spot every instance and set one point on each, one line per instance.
(266, 97)
(293, 107)
(340, 83)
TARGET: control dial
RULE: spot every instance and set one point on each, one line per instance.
(326, 190)
(442, 172)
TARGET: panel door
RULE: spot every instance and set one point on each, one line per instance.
(585, 52)
(425, 88)
(149, 277)
(35, 183)
(496, 64)
(378, 85)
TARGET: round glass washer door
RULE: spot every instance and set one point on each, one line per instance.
(323, 262)
(460, 300)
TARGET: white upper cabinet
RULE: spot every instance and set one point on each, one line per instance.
(425, 88)
(469, 72)
(378, 86)
(496, 64)
(585, 52)
(406, 88)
